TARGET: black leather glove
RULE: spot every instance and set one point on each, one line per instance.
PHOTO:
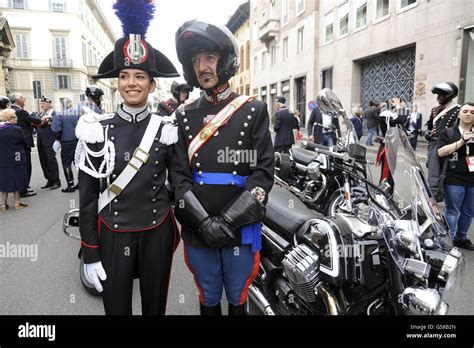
(189, 211)
(215, 232)
(428, 135)
(246, 209)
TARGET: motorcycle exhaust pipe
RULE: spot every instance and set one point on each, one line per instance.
(259, 299)
(330, 301)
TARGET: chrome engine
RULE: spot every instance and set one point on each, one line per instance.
(301, 267)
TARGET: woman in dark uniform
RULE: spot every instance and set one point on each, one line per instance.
(126, 222)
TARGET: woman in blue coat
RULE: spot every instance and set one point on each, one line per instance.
(13, 166)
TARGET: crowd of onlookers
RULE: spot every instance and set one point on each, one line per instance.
(55, 132)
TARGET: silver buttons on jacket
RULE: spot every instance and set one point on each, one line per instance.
(252, 109)
(116, 213)
(242, 134)
(116, 226)
(240, 142)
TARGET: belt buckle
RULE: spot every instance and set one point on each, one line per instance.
(138, 151)
(115, 189)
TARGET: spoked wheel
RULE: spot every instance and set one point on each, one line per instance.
(338, 204)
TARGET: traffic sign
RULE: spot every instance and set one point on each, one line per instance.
(312, 105)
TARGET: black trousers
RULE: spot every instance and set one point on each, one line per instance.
(68, 150)
(28, 163)
(146, 255)
(49, 164)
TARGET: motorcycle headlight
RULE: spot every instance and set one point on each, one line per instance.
(452, 273)
(424, 301)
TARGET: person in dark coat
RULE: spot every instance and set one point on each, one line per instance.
(46, 139)
(285, 122)
(356, 119)
(64, 126)
(413, 126)
(126, 222)
(371, 115)
(322, 128)
(25, 122)
(13, 165)
(180, 91)
(230, 153)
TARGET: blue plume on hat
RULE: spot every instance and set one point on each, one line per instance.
(135, 15)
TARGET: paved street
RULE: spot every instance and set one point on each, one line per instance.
(51, 285)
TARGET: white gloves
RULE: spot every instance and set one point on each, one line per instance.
(94, 272)
(57, 146)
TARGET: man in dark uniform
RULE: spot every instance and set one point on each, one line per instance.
(442, 116)
(232, 160)
(126, 222)
(46, 139)
(285, 122)
(25, 122)
(4, 102)
(180, 92)
(64, 125)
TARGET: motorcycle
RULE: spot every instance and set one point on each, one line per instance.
(398, 258)
(71, 220)
(322, 177)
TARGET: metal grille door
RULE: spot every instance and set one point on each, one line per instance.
(387, 76)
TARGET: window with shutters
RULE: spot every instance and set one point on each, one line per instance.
(21, 42)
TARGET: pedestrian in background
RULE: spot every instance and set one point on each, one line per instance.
(13, 164)
(458, 143)
(322, 128)
(356, 119)
(413, 125)
(285, 122)
(25, 122)
(64, 126)
(371, 116)
(46, 139)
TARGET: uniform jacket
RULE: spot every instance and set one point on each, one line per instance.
(12, 145)
(445, 121)
(25, 121)
(285, 122)
(166, 108)
(46, 136)
(64, 125)
(144, 203)
(247, 131)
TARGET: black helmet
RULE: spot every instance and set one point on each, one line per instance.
(4, 102)
(447, 91)
(196, 36)
(179, 86)
(94, 92)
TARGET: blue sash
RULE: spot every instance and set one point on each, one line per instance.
(251, 233)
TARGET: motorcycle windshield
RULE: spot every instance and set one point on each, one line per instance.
(410, 188)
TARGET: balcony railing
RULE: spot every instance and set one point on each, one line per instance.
(269, 30)
(60, 63)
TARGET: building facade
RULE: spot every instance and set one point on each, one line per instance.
(59, 43)
(284, 40)
(373, 50)
(239, 25)
(7, 44)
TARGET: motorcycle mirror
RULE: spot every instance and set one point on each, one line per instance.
(71, 219)
(328, 102)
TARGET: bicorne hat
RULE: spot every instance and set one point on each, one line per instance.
(132, 51)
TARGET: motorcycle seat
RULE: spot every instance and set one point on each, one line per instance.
(286, 213)
(303, 156)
